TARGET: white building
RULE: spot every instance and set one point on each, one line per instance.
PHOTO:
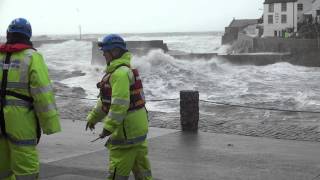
(282, 16)
(314, 13)
(303, 6)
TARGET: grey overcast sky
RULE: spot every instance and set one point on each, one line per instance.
(127, 16)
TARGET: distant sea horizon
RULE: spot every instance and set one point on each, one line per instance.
(94, 35)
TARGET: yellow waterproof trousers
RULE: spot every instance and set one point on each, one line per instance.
(18, 162)
(124, 160)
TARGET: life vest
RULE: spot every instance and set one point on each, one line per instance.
(137, 100)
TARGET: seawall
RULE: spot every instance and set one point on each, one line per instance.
(295, 46)
(304, 52)
(256, 59)
(195, 55)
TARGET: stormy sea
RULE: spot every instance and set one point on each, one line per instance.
(278, 100)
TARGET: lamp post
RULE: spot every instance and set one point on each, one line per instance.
(79, 26)
(80, 34)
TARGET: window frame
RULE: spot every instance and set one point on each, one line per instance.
(300, 7)
(282, 19)
(270, 20)
(271, 7)
(284, 7)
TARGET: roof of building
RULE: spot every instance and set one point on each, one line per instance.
(278, 1)
(243, 22)
(315, 4)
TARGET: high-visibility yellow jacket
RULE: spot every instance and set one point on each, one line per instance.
(28, 75)
(128, 128)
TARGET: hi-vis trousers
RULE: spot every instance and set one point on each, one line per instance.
(18, 161)
(124, 160)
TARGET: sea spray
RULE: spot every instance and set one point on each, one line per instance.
(280, 85)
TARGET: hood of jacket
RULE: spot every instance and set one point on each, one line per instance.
(11, 48)
(123, 60)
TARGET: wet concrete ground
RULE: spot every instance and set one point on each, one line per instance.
(176, 155)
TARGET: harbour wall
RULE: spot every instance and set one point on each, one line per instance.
(304, 52)
(292, 45)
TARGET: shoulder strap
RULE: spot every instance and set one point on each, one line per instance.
(3, 90)
(5, 69)
(20, 96)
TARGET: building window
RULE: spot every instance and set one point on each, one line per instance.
(318, 12)
(283, 19)
(270, 19)
(283, 7)
(271, 7)
(300, 7)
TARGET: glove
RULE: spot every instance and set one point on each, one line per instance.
(104, 133)
(90, 126)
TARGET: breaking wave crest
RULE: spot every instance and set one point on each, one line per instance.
(278, 85)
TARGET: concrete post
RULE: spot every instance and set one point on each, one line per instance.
(189, 110)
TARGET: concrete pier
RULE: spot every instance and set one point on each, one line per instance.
(258, 59)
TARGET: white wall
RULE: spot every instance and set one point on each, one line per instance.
(277, 25)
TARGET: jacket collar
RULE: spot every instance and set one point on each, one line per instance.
(10, 48)
(123, 60)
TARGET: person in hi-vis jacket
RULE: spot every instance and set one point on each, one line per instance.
(27, 104)
(122, 107)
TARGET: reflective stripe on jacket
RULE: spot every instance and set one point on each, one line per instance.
(28, 75)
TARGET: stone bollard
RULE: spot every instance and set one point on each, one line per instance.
(189, 110)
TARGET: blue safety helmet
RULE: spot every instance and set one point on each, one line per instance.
(112, 41)
(20, 25)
